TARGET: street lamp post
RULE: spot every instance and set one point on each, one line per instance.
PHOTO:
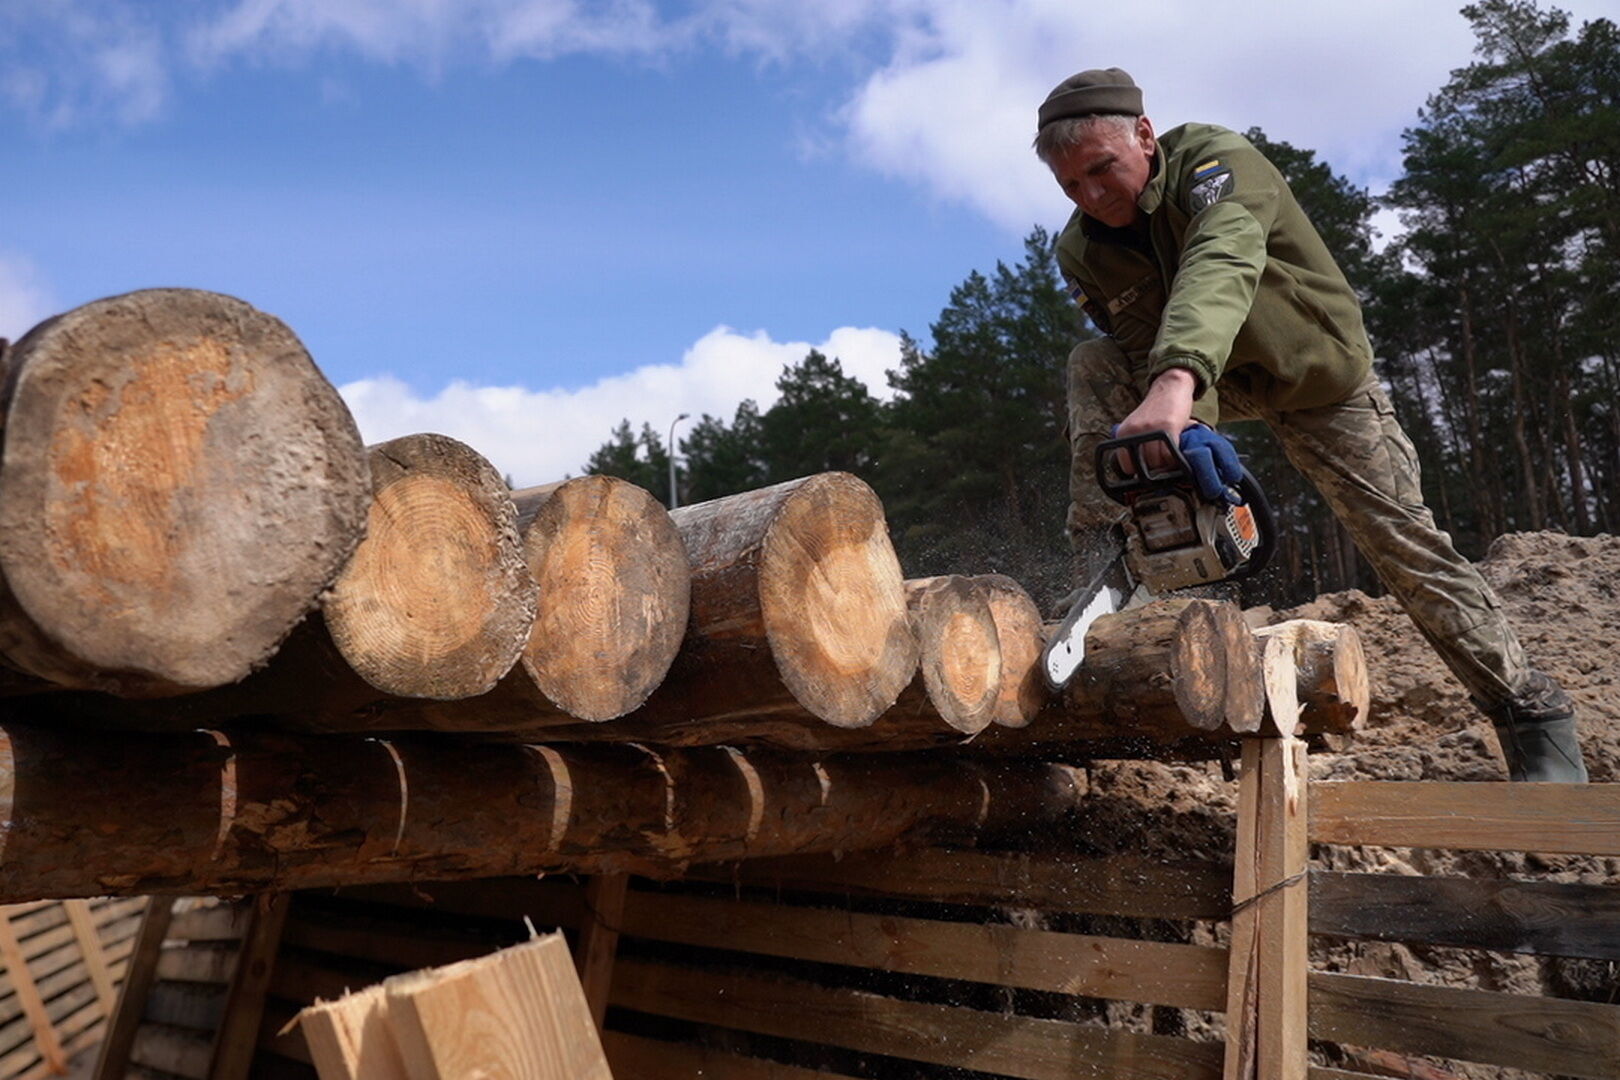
(674, 499)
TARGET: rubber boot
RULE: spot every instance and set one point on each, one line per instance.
(1536, 729)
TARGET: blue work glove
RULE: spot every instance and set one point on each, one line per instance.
(1216, 470)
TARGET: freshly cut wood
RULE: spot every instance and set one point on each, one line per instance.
(1330, 674)
(180, 486)
(203, 813)
(958, 682)
(437, 601)
(1019, 633)
(1173, 672)
(798, 609)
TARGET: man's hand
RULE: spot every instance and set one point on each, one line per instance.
(1167, 408)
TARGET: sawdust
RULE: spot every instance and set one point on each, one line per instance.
(1562, 596)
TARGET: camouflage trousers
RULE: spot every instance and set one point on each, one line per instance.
(1365, 467)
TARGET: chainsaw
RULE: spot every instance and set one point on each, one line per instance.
(1173, 538)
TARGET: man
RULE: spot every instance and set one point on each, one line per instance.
(1219, 301)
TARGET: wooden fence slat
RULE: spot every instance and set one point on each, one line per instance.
(244, 1003)
(1015, 1046)
(219, 922)
(1564, 819)
(1549, 1035)
(27, 991)
(1543, 918)
(95, 958)
(114, 1056)
(1282, 924)
(174, 1050)
(1128, 886)
(1150, 972)
(633, 1057)
(203, 961)
(598, 940)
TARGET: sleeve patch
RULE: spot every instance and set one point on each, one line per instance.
(1211, 182)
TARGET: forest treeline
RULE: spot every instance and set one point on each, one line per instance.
(1495, 319)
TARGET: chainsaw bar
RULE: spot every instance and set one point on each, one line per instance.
(1113, 589)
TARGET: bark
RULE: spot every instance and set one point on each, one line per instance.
(180, 486)
(206, 813)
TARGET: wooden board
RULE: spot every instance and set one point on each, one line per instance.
(1014, 1046)
(233, 1041)
(1543, 918)
(636, 1058)
(1565, 819)
(598, 940)
(46, 1037)
(1548, 1035)
(350, 1039)
(1127, 886)
(1152, 972)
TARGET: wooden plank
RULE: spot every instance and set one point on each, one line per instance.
(95, 958)
(636, 1058)
(1544, 918)
(598, 940)
(203, 961)
(174, 1050)
(350, 1039)
(114, 1056)
(1548, 1035)
(219, 922)
(1134, 887)
(1282, 924)
(78, 1044)
(1152, 972)
(51, 986)
(71, 1025)
(1243, 970)
(1567, 819)
(244, 1006)
(517, 1012)
(198, 1006)
(33, 1006)
(57, 1010)
(1015, 1046)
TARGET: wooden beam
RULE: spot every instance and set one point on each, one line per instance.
(244, 1002)
(95, 957)
(132, 996)
(598, 940)
(1543, 918)
(33, 1006)
(1538, 1034)
(349, 1039)
(1152, 972)
(1016, 1046)
(1562, 819)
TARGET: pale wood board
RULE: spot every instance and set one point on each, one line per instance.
(350, 1039)
(1242, 979)
(1284, 953)
(1022, 1047)
(95, 958)
(1549, 1035)
(1150, 972)
(33, 1006)
(1568, 819)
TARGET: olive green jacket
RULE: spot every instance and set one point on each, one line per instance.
(1226, 278)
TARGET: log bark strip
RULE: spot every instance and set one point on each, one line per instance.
(437, 601)
(180, 486)
(201, 813)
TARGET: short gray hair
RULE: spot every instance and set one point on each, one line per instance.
(1053, 140)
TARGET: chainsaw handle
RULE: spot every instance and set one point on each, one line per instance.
(1123, 487)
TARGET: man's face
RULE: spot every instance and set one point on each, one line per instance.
(1106, 172)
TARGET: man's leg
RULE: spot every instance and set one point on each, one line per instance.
(1364, 465)
(1101, 394)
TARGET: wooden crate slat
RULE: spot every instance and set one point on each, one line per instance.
(633, 1057)
(37, 921)
(78, 1044)
(174, 1050)
(1128, 886)
(72, 1024)
(142, 969)
(1543, 918)
(205, 961)
(58, 1009)
(1550, 1035)
(221, 922)
(1015, 1046)
(197, 1006)
(33, 1006)
(1564, 819)
(1150, 972)
(233, 1041)
(95, 958)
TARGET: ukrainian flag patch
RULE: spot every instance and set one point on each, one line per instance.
(1206, 169)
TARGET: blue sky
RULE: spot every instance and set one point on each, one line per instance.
(516, 221)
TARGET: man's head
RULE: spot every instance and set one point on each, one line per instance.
(1097, 143)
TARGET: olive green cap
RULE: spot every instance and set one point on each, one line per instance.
(1091, 93)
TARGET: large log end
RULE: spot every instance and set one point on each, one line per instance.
(1020, 637)
(960, 658)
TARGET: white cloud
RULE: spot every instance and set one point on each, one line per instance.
(24, 297)
(542, 435)
(68, 62)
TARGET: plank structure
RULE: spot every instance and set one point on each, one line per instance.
(1559, 819)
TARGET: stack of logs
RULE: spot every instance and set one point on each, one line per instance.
(245, 652)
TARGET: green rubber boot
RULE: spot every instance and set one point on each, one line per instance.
(1536, 729)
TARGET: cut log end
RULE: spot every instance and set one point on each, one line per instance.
(180, 485)
(1018, 633)
(614, 590)
(960, 658)
(1330, 668)
(437, 601)
(833, 602)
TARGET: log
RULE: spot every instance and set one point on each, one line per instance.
(1167, 674)
(437, 601)
(180, 486)
(1330, 669)
(798, 611)
(1018, 631)
(206, 814)
(958, 683)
